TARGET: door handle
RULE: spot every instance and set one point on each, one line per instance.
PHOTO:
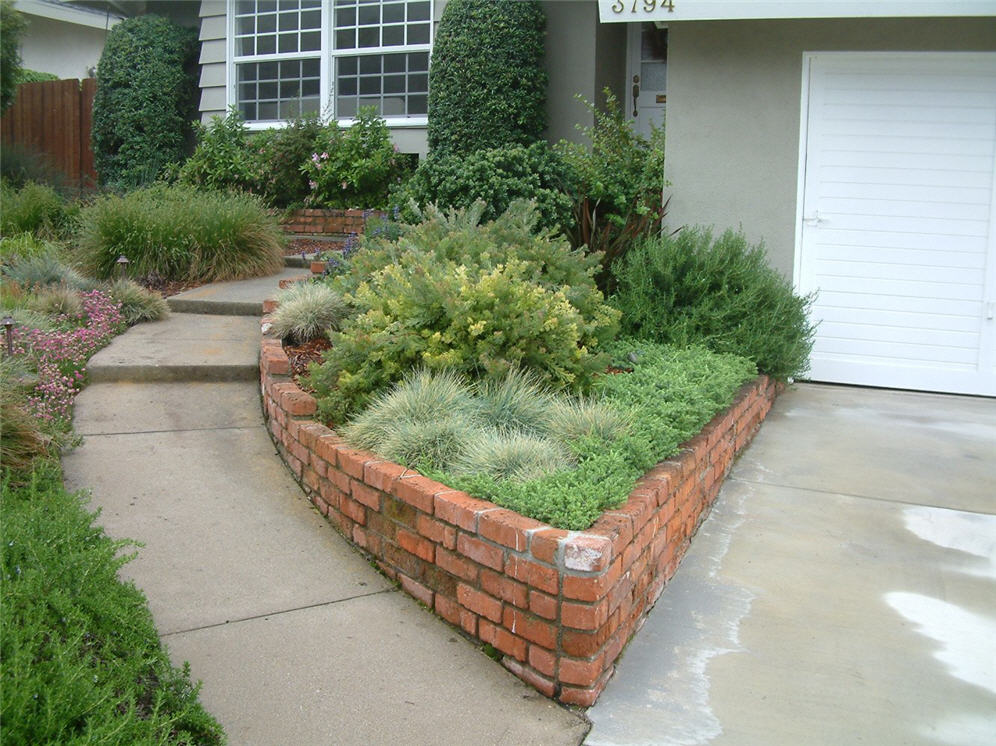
(636, 92)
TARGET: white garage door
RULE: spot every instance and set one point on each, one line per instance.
(898, 217)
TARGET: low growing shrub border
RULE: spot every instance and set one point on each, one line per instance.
(559, 605)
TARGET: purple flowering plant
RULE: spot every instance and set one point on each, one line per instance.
(60, 355)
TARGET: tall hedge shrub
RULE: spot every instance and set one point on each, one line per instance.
(145, 101)
(487, 85)
(12, 26)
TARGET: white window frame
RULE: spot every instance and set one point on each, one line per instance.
(328, 57)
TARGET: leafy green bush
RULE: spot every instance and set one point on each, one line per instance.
(617, 183)
(353, 167)
(35, 76)
(496, 177)
(34, 208)
(82, 659)
(177, 232)
(222, 159)
(487, 83)
(145, 99)
(478, 299)
(137, 303)
(307, 311)
(12, 27)
(692, 289)
(279, 157)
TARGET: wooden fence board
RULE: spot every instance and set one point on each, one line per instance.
(54, 118)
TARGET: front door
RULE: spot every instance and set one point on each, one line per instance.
(646, 82)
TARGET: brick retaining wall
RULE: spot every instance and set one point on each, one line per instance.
(559, 605)
(326, 222)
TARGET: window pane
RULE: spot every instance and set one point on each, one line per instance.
(373, 101)
(345, 17)
(311, 68)
(369, 14)
(345, 39)
(347, 86)
(394, 12)
(245, 6)
(268, 111)
(248, 112)
(418, 104)
(347, 66)
(393, 107)
(266, 23)
(290, 69)
(267, 71)
(288, 42)
(394, 84)
(266, 44)
(268, 91)
(418, 83)
(394, 63)
(246, 26)
(418, 61)
(290, 89)
(310, 105)
(247, 73)
(288, 21)
(247, 91)
(311, 20)
(370, 64)
(369, 85)
(394, 36)
(245, 45)
(369, 36)
(418, 34)
(311, 41)
(345, 107)
(309, 88)
(266, 6)
(418, 11)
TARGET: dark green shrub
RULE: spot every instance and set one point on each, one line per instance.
(691, 289)
(279, 156)
(177, 232)
(145, 99)
(35, 209)
(487, 83)
(354, 166)
(478, 299)
(617, 183)
(222, 159)
(12, 26)
(496, 177)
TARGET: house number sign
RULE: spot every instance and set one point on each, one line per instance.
(646, 6)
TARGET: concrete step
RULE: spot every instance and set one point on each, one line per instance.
(183, 347)
(240, 298)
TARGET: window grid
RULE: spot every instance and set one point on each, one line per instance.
(378, 51)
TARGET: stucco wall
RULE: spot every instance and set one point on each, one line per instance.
(64, 49)
(734, 97)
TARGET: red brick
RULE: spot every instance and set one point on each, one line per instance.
(468, 621)
(539, 682)
(533, 574)
(545, 544)
(530, 627)
(584, 696)
(353, 462)
(310, 478)
(387, 570)
(326, 448)
(504, 588)
(295, 464)
(581, 672)
(354, 510)
(460, 509)
(504, 640)
(447, 608)
(478, 602)
(416, 590)
(542, 660)
(584, 616)
(296, 402)
(417, 545)
(310, 432)
(381, 475)
(481, 552)
(456, 565)
(366, 495)
(360, 537)
(592, 588)
(320, 466)
(299, 452)
(616, 527)
(640, 507)
(543, 605)
(418, 491)
(587, 553)
(436, 531)
(320, 504)
(275, 364)
(341, 480)
(507, 528)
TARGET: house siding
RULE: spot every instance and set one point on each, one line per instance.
(734, 98)
(213, 65)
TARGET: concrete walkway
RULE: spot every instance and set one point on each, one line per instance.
(842, 591)
(296, 638)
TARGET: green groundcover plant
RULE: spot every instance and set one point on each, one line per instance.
(82, 662)
(178, 232)
(692, 288)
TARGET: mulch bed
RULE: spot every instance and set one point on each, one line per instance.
(309, 246)
(301, 356)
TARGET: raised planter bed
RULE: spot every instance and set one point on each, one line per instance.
(326, 222)
(559, 605)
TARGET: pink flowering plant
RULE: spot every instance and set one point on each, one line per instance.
(353, 166)
(60, 355)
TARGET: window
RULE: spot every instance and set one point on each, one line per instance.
(294, 57)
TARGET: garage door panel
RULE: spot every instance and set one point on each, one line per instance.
(967, 279)
(898, 206)
(916, 257)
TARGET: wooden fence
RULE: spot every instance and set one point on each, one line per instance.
(54, 118)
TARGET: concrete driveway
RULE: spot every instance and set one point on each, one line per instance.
(843, 591)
